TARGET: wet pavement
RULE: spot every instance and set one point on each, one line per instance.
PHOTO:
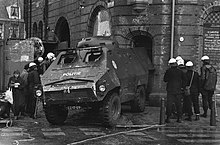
(84, 127)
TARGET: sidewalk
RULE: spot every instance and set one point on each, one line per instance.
(151, 116)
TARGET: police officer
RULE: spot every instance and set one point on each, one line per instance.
(24, 76)
(193, 98)
(48, 60)
(175, 80)
(207, 93)
(33, 80)
(40, 65)
(182, 67)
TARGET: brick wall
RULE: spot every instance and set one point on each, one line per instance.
(154, 20)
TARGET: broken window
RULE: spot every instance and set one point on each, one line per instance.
(68, 58)
(102, 24)
(14, 12)
(93, 56)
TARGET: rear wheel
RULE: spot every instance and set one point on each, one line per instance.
(56, 114)
(111, 109)
(138, 104)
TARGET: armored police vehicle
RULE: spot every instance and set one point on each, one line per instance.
(96, 74)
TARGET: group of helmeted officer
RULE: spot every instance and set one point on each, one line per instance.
(178, 76)
(23, 85)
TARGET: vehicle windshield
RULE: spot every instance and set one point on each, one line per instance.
(85, 55)
(68, 58)
(91, 55)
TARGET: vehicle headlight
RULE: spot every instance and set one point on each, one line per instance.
(38, 93)
(102, 88)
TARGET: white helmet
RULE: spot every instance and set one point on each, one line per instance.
(179, 58)
(189, 63)
(180, 62)
(40, 59)
(50, 55)
(205, 58)
(172, 60)
(32, 64)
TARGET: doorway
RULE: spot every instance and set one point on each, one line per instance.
(142, 45)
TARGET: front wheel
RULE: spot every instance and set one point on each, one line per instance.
(111, 109)
(56, 114)
(138, 104)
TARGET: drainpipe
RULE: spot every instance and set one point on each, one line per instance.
(172, 29)
(45, 14)
(30, 19)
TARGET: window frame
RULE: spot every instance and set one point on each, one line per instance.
(1, 31)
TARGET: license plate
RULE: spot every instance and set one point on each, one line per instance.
(74, 107)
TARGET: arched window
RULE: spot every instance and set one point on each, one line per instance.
(34, 34)
(62, 31)
(100, 22)
(40, 30)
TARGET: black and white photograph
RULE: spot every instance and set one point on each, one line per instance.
(109, 72)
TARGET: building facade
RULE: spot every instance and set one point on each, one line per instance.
(161, 28)
(11, 31)
(11, 19)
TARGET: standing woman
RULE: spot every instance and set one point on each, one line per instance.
(16, 83)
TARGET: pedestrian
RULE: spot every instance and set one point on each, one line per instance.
(24, 76)
(193, 82)
(175, 80)
(33, 81)
(16, 83)
(208, 84)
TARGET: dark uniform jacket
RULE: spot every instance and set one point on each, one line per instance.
(175, 79)
(203, 74)
(195, 86)
(33, 80)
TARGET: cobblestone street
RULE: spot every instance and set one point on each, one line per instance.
(84, 128)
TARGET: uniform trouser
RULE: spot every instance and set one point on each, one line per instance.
(206, 99)
(184, 104)
(31, 104)
(192, 100)
(195, 102)
(26, 100)
(177, 100)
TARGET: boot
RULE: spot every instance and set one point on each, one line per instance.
(167, 120)
(197, 117)
(189, 118)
